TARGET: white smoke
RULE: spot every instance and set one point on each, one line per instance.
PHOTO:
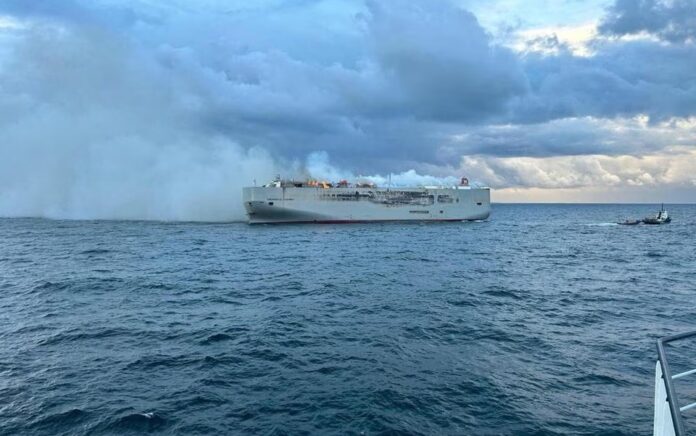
(319, 167)
(91, 130)
(131, 178)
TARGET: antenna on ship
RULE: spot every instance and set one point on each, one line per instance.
(389, 183)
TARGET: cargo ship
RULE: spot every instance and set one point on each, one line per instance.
(312, 201)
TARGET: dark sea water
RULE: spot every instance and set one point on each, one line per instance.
(541, 320)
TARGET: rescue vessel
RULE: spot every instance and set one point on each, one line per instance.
(312, 201)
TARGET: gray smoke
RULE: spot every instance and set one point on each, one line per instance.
(91, 129)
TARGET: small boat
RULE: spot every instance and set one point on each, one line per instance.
(662, 217)
(629, 222)
(668, 410)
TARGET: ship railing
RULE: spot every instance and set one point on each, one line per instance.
(668, 418)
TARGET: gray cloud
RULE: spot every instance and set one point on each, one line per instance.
(94, 14)
(621, 79)
(443, 61)
(569, 137)
(673, 20)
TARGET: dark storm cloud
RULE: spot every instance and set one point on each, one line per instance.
(421, 64)
(673, 20)
(623, 78)
(77, 12)
(565, 137)
(443, 61)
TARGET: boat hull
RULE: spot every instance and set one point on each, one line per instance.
(655, 221)
(278, 205)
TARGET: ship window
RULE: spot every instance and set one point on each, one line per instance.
(270, 203)
(440, 211)
(478, 204)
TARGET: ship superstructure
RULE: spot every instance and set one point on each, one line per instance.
(289, 201)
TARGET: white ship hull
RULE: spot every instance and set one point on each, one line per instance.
(273, 205)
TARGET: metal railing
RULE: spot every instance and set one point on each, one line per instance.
(674, 408)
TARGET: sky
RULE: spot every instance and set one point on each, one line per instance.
(146, 109)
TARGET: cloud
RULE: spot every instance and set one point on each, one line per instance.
(556, 40)
(573, 136)
(443, 61)
(673, 20)
(675, 169)
(622, 79)
(97, 15)
(375, 105)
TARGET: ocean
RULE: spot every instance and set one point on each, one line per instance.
(541, 320)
